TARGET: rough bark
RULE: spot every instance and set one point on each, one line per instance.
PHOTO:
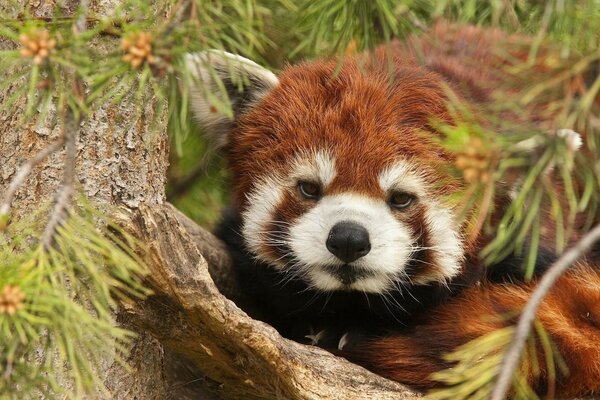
(110, 172)
(189, 315)
(114, 168)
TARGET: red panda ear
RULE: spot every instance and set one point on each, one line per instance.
(216, 75)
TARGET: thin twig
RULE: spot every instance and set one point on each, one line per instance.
(63, 197)
(24, 171)
(81, 22)
(512, 356)
(65, 194)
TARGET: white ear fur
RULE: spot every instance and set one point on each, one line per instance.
(217, 74)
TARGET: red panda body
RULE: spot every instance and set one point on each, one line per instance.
(340, 224)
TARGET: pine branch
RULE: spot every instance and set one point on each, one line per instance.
(512, 356)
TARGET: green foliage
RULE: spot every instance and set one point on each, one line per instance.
(537, 169)
(477, 362)
(574, 24)
(476, 366)
(64, 329)
(69, 290)
(333, 25)
(537, 185)
(198, 186)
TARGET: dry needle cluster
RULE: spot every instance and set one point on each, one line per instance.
(11, 299)
(37, 44)
(138, 48)
(474, 162)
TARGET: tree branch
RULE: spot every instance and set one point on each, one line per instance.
(65, 193)
(189, 315)
(512, 356)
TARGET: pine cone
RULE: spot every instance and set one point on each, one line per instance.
(11, 299)
(37, 44)
(138, 47)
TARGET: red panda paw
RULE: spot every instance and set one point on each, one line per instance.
(337, 339)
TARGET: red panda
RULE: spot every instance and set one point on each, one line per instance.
(339, 223)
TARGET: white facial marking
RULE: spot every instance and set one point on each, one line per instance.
(390, 241)
(318, 167)
(373, 284)
(402, 176)
(446, 243)
(262, 202)
(268, 194)
(322, 280)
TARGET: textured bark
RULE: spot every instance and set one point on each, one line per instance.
(189, 315)
(114, 168)
(110, 172)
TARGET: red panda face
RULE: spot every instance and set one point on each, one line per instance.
(340, 182)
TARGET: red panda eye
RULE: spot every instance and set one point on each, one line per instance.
(309, 190)
(401, 200)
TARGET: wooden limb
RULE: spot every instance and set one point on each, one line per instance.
(189, 315)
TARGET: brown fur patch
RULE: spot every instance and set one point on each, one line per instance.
(570, 314)
(365, 121)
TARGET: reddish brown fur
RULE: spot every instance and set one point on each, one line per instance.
(570, 313)
(360, 118)
(367, 121)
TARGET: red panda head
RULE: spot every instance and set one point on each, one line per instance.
(336, 171)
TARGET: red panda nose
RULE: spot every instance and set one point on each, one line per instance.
(348, 241)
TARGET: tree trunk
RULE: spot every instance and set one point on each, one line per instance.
(114, 168)
(187, 326)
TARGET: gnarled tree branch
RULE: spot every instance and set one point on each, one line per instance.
(189, 315)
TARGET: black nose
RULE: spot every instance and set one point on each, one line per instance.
(348, 241)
